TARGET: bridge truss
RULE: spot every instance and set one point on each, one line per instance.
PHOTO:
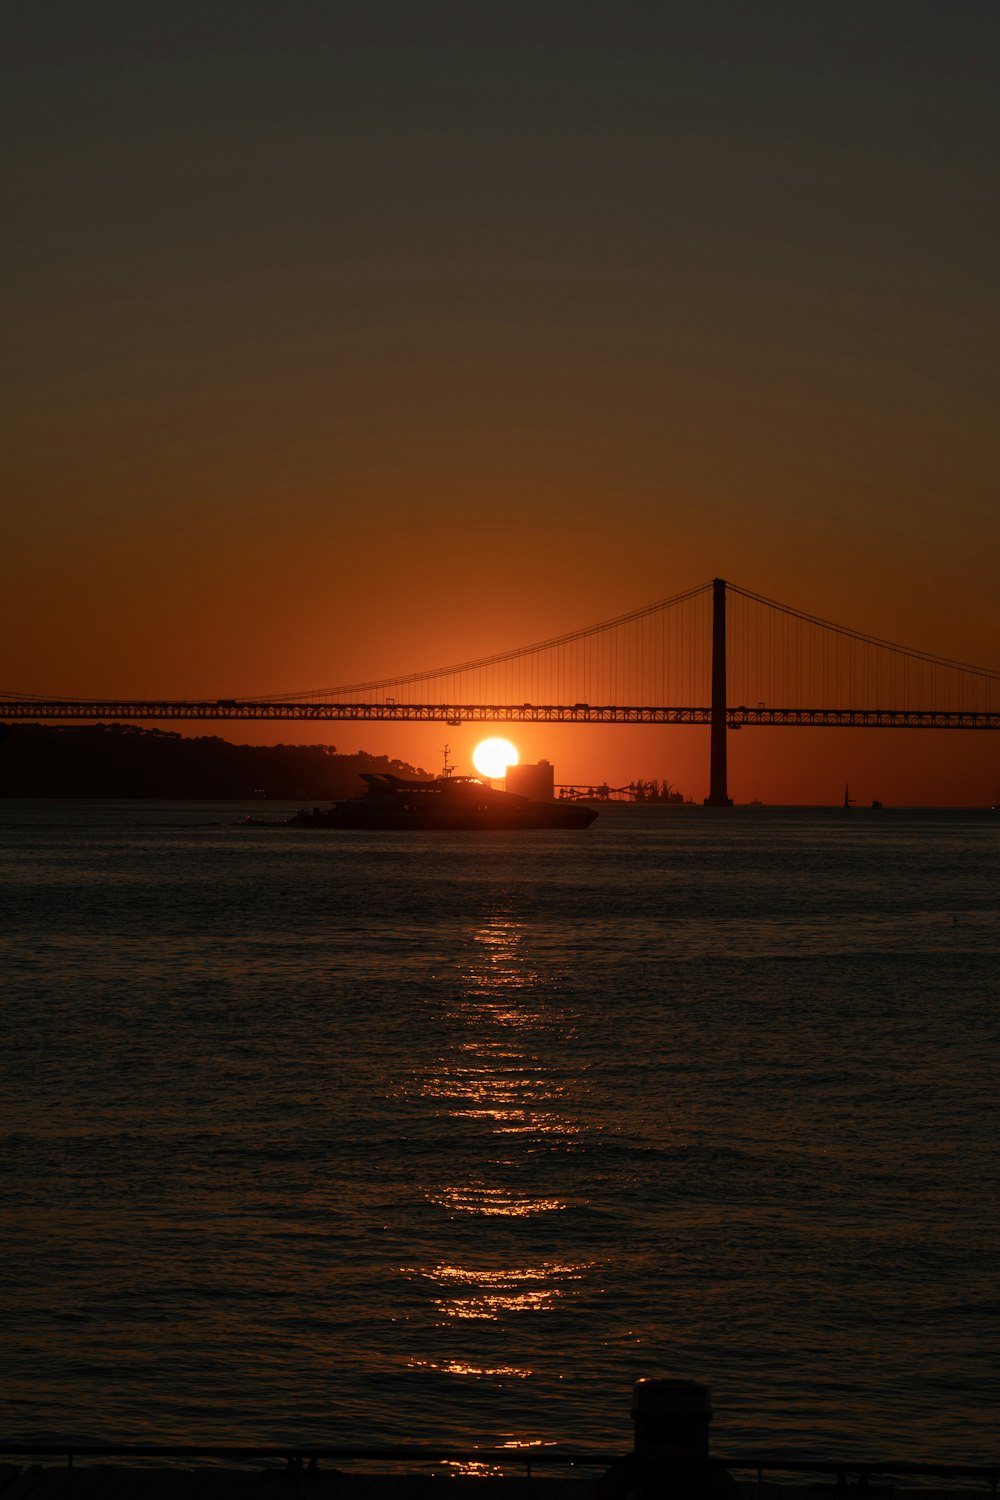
(717, 656)
(161, 709)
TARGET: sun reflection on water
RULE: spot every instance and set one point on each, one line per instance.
(477, 1198)
(508, 1276)
(492, 1306)
(501, 1080)
(470, 1370)
(508, 1086)
(497, 1290)
(470, 1468)
(482, 1469)
(495, 1075)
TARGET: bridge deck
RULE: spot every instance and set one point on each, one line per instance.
(739, 717)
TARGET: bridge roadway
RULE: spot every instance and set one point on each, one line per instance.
(159, 709)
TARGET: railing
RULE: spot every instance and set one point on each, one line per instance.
(299, 1457)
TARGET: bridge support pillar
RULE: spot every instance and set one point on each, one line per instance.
(718, 794)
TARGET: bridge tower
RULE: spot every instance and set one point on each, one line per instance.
(718, 795)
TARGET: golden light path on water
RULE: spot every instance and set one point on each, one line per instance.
(490, 1076)
(477, 1470)
(460, 1367)
(479, 1198)
(505, 1295)
(266, 1088)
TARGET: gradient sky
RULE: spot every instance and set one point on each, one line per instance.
(348, 339)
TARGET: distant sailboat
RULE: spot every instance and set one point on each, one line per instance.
(848, 801)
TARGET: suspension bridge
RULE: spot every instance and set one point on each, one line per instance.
(716, 655)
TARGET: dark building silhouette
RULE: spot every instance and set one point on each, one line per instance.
(534, 781)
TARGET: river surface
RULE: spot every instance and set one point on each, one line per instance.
(360, 1138)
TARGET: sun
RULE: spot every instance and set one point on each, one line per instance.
(492, 757)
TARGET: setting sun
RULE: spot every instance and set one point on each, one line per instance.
(492, 757)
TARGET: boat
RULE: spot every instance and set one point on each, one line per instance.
(459, 803)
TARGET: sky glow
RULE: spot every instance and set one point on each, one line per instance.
(346, 341)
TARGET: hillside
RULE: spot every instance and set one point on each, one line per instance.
(122, 760)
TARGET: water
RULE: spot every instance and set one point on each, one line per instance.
(329, 1137)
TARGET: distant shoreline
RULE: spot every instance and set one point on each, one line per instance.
(125, 762)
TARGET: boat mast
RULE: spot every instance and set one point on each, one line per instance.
(447, 768)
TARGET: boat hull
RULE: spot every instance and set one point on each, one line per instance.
(459, 804)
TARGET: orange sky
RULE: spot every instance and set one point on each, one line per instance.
(350, 344)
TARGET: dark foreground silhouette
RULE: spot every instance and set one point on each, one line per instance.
(462, 803)
(122, 760)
